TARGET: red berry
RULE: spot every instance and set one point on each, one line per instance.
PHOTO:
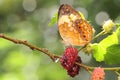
(69, 57)
(75, 69)
(68, 60)
(98, 74)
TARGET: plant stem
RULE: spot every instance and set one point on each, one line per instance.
(117, 73)
(99, 34)
(33, 47)
(91, 68)
(51, 55)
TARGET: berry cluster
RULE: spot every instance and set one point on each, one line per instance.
(98, 74)
(68, 60)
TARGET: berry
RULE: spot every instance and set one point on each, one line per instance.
(98, 74)
(68, 60)
(108, 26)
(75, 69)
(69, 57)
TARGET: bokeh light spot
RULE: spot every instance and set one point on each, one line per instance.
(84, 11)
(12, 19)
(29, 5)
(101, 17)
(70, 2)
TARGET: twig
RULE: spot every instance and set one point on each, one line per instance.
(51, 55)
(117, 73)
(91, 68)
(99, 34)
(33, 47)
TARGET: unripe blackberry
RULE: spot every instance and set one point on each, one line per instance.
(98, 74)
(108, 26)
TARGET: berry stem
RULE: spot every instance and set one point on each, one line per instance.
(82, 48)
(92, 68)
(99, 34)
(117, 73)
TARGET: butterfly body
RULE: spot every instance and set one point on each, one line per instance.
(73, 29)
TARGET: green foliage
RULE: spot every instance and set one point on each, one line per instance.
(53, 20)
(106, 50)
(82, 15)
(100, 48)
(98, 52)
(118, 32)
(112, 55)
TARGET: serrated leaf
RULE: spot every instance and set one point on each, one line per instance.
(99, 50)
(112, 55)
(110, 40)
(53, 20)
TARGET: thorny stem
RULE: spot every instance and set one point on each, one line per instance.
(51, 55)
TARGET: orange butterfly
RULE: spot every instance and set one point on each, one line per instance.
(72, 28)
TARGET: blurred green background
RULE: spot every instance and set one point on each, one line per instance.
(28, 20)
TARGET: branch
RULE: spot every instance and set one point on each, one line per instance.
(33, 47)
(91, 68)
(51, 55)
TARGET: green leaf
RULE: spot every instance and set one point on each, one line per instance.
(110, 40)
(99, 50)
(118, 24)
(53, 20)
(112, 55)
(118, 34)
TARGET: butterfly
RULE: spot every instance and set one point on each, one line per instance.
(73, 29)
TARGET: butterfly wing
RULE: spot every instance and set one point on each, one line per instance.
(73, 29)
(66, 9)
(84, 29)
